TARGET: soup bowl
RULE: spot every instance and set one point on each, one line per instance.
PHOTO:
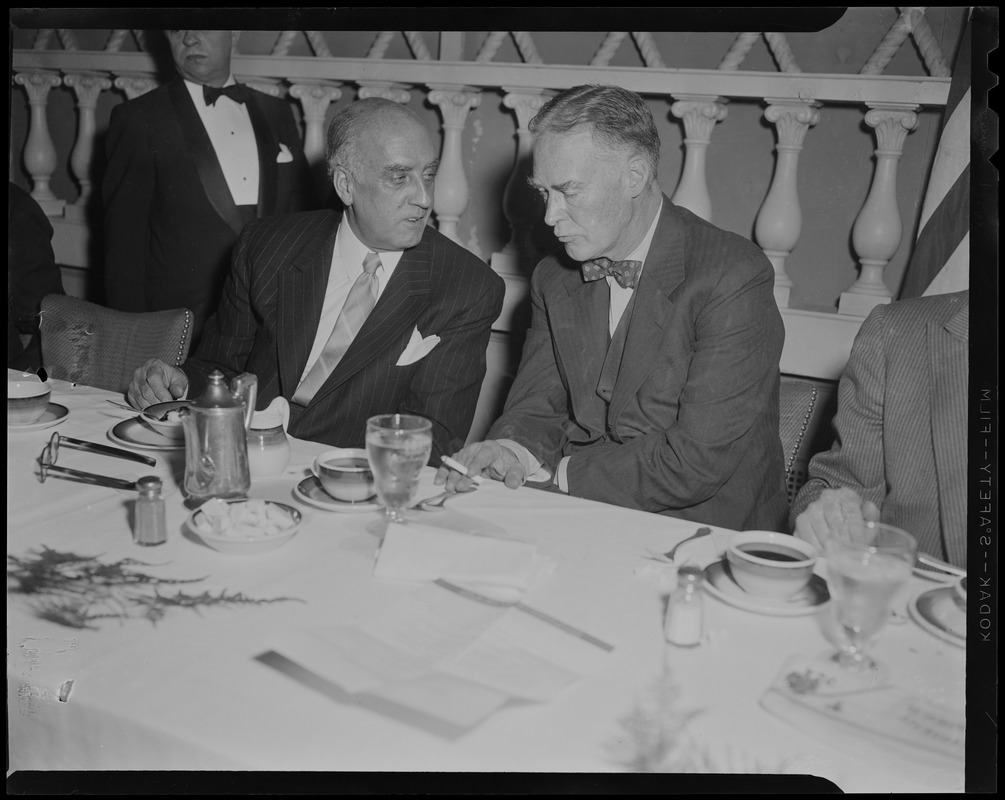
(27, 401)
(770, 564)
(345, 474)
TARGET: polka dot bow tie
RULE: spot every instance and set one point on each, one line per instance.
(626, 273)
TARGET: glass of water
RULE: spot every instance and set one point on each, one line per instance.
(398, 447)
(867, 563)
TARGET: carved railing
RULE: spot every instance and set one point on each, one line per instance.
(817, 343)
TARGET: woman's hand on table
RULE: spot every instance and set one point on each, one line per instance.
(833, 509)
(156, 382)
(490, 457)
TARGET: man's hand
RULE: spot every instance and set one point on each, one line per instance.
(156, 382)
(833, 509)
(489, 457)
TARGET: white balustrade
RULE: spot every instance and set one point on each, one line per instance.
(39, 150)
(514, 262)
(395, 92)
(878, 229)
(699, 113)
(451, 198)
(314, 99)
(779, 221)
(134, 84)
(87, 89)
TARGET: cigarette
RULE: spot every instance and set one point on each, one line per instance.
(457, 466)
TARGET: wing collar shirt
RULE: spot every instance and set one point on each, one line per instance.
(228, 125)
(619, 299)
(346, 267)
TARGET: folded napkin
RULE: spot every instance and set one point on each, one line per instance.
(420, 552)
(856, 714)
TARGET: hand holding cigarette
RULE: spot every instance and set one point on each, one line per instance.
(465, 469)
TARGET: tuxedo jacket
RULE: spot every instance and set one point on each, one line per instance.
(679, 415)
(170, 220)
(268, 319)
(901, 422)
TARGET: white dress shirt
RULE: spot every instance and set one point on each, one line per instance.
(347, 266)
(233, 137)
(619, 299)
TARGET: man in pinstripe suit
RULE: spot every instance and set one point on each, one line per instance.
(900, 451)
(421, 349)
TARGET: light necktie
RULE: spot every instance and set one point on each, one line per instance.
(626, 273)
(358, 305)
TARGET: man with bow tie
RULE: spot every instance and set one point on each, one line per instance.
(649, 376)
(189, 164)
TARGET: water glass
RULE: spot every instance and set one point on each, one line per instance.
(398, 447)
(867, 563)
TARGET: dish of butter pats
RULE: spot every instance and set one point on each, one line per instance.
(245, 525)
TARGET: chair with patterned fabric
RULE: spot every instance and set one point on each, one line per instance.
(797, 402)
(97, 346)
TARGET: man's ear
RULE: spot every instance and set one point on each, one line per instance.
(638, 175)
(342, 182)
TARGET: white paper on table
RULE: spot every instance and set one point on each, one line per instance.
(475, 656)
(885, 721)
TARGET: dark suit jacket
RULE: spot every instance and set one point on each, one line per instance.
(170, 220)
(901, 423)
(31, 275)
(269, 315)
(691, 429)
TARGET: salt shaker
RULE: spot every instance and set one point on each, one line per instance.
(150, 526)
(685, 611)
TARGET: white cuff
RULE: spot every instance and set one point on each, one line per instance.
(532, 468)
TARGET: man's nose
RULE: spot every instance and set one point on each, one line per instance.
(422, 195)
(190, 38)
(552, 211)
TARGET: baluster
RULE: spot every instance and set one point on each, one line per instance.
(87, 89)
(700, 113)
(514, 262)
(314, 99)
(39, 150)
(877, 231)
(451, 198)
(780, 219)
(134, 84)
(395, 92)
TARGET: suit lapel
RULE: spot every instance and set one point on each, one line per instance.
(579, 327)
(663, 272)
(268, 149)
(301, 296)
(207, 165)
(947, 354)
(397, 309)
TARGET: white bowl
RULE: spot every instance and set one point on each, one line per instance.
(770, 564)
(27, 401)
(170, 427)
(245, 527)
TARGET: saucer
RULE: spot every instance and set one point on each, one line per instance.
(133, 433)
(311, 492)
(53, 415)
(936, 611)
(720, 584)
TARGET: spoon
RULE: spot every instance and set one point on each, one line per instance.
(696, 535)
(435, 503)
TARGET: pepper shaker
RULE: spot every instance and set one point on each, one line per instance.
(150, 525)
(684, 624)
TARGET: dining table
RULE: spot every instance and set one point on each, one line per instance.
(306, 659)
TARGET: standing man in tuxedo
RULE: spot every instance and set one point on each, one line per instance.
(188, 168)
(649, 377)
(355, 313)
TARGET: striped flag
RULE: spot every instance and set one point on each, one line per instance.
(940, 262)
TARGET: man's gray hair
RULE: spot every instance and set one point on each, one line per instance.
(349, 127)
(619, 118)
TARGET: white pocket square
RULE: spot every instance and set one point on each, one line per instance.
(417, 348)
(285, 156)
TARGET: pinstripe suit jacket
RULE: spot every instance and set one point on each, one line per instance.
(691, 428)
(901, 423)
(268, 318)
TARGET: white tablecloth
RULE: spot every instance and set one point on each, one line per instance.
(197, 688)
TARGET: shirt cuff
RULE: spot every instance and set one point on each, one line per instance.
(563, 474)
(532, 468)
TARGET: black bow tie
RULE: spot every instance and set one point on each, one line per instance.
(237, 92)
